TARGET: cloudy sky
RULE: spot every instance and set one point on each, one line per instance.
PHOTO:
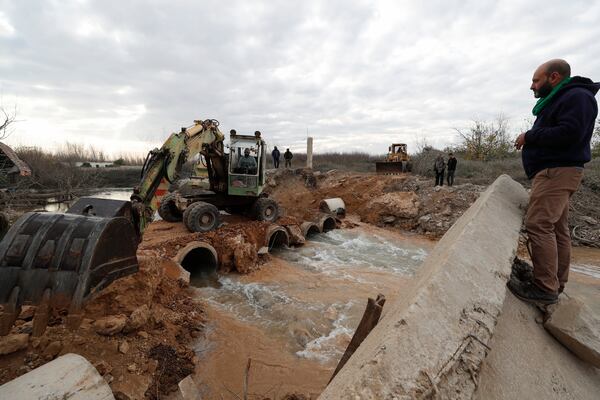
(356, 75)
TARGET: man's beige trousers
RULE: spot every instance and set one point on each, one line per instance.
(547, 225)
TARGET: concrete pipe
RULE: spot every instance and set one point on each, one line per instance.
(68, 377)
(309, 229)
(326, 222)
(276, 236)
(333, 206)
(200, 259)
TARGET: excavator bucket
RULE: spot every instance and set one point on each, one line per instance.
(391, 168)
(53, 260)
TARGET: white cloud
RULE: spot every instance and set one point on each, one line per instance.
(357, 75)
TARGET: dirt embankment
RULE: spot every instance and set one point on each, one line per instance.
(406, 202)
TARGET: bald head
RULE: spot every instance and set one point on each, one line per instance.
(548, 75)
(557, 65)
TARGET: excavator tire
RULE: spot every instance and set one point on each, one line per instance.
(58, 261)
(168, 210)
(201, 217)
(265, 209)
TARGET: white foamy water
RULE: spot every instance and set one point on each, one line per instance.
(316, 315)
(336, 252)
(586, 269)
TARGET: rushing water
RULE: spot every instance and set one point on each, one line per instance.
(319, 295)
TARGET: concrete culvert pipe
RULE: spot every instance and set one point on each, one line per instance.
(309, 229)
(276, 236)
(334, 206)
(327, 223)
(200, 259)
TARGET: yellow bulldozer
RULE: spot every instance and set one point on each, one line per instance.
(397, 161)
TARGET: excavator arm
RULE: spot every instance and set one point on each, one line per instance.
(163, 166)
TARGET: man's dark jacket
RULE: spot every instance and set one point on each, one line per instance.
(288, 155)
(452, 164)
(561, 134)
(275, 154)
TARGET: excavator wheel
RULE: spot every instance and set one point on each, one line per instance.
(201, 217)
(168, 210)
(265, 209)
(58, 261)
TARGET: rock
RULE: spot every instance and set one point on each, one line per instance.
(138, 318)
(132, 368)
(79, 340)
(295, 234)
(110, 325)
(151, 366)
(398, 204)
(143, 334)
(103, 368)
(15, 342)
(53, 349)
(27, 312)
(108, 378)
(121, 396)
(388, 219)
(124, 347)
(188, 389)
(574, 325)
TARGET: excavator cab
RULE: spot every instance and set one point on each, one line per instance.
(247, 165)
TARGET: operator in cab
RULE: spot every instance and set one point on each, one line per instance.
(247, 163)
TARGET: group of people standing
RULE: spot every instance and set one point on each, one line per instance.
(439, 167)
(276, 154)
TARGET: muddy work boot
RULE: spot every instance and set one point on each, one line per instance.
(530, 293)
(521, 270)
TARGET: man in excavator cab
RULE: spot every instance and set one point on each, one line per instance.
(247, 163)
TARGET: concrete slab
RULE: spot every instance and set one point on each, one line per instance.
(527, 363)
(432, 341)
(68, 377)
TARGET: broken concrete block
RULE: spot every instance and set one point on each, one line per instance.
(111, 325)
(11, 343)
(574, 325)
(188, 389)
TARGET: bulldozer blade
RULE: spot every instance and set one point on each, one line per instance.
(60, 260)
(389, 168)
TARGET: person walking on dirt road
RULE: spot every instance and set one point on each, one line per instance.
(451, 169)
(288, 158)
(555, 150)
(438, 167)
(275, 154)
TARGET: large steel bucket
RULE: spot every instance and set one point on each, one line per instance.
(59, 260)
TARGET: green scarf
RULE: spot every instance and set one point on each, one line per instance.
(542, 102)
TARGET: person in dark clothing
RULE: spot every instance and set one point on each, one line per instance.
(288, 158)
(439, 166)
(555, 150)
(275, 154)
(451, 168)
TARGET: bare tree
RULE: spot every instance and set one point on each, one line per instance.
(596, 140)
(6, 120)
(485, 141)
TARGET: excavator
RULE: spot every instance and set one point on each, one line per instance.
(56, 260)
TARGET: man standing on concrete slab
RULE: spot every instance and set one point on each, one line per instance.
(555, 150)
(451, 168)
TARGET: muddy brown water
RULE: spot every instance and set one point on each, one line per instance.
(295, 316)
